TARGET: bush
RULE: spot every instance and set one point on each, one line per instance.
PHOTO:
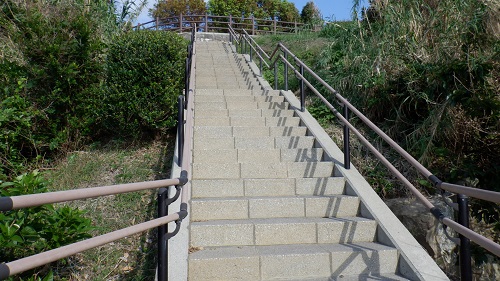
(32, 230)
(52, 64)
(145, 75)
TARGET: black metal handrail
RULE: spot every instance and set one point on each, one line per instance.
(281, 54)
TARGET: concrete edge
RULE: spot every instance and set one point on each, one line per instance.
(178, 246)
(414, 262)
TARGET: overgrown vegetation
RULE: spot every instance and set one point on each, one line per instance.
(70, 76)
(426, 72)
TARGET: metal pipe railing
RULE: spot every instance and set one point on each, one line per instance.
(33, 200)
(462, 192)
(21, 265)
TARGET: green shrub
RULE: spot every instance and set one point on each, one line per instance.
(29, 231)
(54, 51)
(145, 75)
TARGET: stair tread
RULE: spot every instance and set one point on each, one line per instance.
(294, 249)
(283, 220)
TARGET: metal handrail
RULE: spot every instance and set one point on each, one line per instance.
(33, 200)
(466, 234)
(182, 185)
(207, 21)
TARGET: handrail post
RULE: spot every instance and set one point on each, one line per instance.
(206, 22)
(260, 65)
(347, 150)
(250, 50)
(180, 129)
(275, 25)
(465, 253)
(162, 235)
(296, 27)
(180, 23)
(276, 75)
(187, 75)
(253, 25)
(302, 90)
(286, 71)
(157, 22)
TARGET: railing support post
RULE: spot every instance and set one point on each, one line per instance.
(274, 25)
(250, 50)
(157, 22)
(162, 235)
(206, 23)
(276, 75)
(180, 23)
(347, 150)
(180, 129)
(253, 25)
(286, 70)
(302, 90)
(465, 253)
(260, 66)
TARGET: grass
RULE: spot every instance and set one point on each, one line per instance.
(131, 258)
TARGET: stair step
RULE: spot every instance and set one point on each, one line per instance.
(263, 170)
(241, 105)
(218, 156)
(369, 277)
(241, 92)
(247, 131)
(288, 262)
(238, 208)
(282, 231)
(247, 121)
(267, 187)
(247, 98)
(208, 113)
(288, 142)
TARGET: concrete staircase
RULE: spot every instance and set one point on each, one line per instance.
(268, 202)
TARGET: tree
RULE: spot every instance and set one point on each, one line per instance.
(171, 8)
(310, 13)
(265, 9)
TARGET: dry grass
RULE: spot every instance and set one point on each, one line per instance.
(131, 258)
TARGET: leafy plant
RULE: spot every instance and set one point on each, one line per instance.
(29, 231)
(145, 74)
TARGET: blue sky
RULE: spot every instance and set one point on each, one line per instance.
(330, 9)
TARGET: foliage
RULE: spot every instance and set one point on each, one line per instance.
(427, 72)
(144, 77)
(129, 11)
(311, 14)
(264, 9)
(32, 230)
(49, 74)
(173, 8)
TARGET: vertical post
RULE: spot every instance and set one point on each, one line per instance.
(296, 26)
(347, 150)
(206, 23)
(138, 26)
(162, 235)
(253, 25)
(250, 50)
(180, 129)
(302, 90)
(187, 76)
(260, 66)
(157, 22)
(180, 23)
(274, 25)
(230, 20)
(286, 70)
(465, 253)
(276, 75)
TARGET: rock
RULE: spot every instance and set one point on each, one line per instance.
(427, 230)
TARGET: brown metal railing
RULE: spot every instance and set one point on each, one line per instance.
(181, 183)
(211, 23)
(281, 54)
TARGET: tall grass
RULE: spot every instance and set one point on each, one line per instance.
(427, 71)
